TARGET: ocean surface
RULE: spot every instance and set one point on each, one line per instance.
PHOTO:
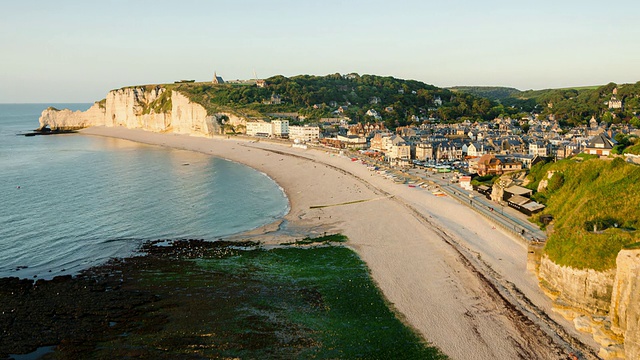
(69, 202)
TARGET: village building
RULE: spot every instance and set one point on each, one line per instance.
(538, 148)
(275, 128)
(424, 151)
(366, 129)
(600, 145)
(304, 133)
(374, 114)
(488, 164)
(353, 141)
(614, 103)
(259, 128)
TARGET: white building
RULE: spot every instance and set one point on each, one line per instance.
(304, 133)
(538, 148)
(374, 114)
(259, 128)
(278, 128)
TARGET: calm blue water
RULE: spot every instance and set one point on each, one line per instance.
(68, 202)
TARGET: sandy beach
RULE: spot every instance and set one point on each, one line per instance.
(449, 273)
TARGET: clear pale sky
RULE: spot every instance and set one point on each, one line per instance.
(76, 51)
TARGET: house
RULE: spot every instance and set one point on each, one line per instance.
(424, 151)
(366, 129)
(276, 99)
(261, 83)
(389, 141)
(511, 145)
(406, 131)
(304, 133)
(538, 148)
(377, 142)
(353, 141)
(374, 114)
(600, 145)
(400, 154)
(488, 164)
(448, 150)
(510, 164)
(614, 103)
(475, 149)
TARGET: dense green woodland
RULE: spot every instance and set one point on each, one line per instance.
(595, 206)
(316, 97)
(573, 106)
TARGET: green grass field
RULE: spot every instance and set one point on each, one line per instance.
(315, 302)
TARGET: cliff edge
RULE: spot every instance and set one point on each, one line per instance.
(151, 108)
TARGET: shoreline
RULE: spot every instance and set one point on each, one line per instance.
(443, 268)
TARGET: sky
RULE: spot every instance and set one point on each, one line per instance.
(76, 51)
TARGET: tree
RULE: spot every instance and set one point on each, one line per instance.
(607, 117)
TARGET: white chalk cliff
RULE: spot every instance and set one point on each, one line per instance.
(146, 108)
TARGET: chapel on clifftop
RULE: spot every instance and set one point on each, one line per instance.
(217, 79)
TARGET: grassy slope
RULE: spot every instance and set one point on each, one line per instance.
(594, 191)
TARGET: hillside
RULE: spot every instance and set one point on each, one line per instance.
(576, 106)
(397, 101)
(495, 93)
(584, 196)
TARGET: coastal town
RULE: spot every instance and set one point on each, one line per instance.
(539, 203)
(459, 152)
(317, 180)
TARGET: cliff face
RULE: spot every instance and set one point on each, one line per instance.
(588, 290)
(144, 108)
(625, 301)
(72, 120)
(614, 293)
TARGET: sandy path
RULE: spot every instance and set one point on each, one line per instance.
(421, 250)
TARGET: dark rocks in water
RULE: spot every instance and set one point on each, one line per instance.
(47, 131)
(74, 313)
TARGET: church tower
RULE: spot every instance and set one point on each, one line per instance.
(217, 79)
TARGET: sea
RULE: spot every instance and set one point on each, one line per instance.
(69, 202)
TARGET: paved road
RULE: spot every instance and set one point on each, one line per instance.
(503, 215)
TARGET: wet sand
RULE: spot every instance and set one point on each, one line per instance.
(459, 282)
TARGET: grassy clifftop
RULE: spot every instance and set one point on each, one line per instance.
(596, 208)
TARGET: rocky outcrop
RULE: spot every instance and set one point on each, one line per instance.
(613, 294)
(66, 119)
(147, 108)
(588, 290)
(625, 301)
